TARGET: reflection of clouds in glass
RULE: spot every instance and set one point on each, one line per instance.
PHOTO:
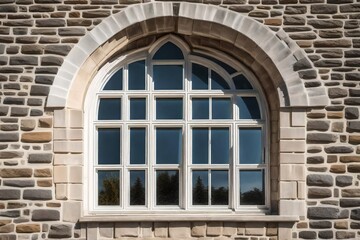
(250, 180)
(250, 145)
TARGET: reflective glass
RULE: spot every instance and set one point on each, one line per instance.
(249, 108)
(218, 82)
(220, 147)
(252, 187)
(108, 187)
(109, 109)
(137, 145)
(200, 78)
(169, 108)
(168, 145)
(167, 187)
(241, 82)
(250, 145)
(137, 108)
(228, 68)
(200, 146)
(115, 82)
(200, 108)
(109, 146)
(168, 51)
(221, 108)
(200, 188)
(137, 187)
(168, 77)
(219, 188)
(137, 75)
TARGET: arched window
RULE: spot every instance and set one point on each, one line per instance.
(171, 129)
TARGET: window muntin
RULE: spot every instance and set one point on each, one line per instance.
(199, 137)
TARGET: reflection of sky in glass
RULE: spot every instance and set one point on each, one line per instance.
(168, 145)
(250, 145)
(219, 178)
(137, 187)
(221, 108)
(220, 146)
(252, 187)
(109, 109)
(115, 82)
(137, 145)
(169, 108)
(200, 145)
(137, 108)
(199, 77)
(218, 82)
(200, 189)
(168, 51)
(109, 146)
(249, 108)
(241, 82)
(137, 75)
(200, 108)
(168, 77)
(228, 68)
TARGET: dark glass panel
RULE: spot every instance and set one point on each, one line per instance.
(169, 108)
(108, 187)
(168, 77)
(200, 108)
(228, 68)
(200, 146)
(167, 187)
(137, 75)
(241, 82)
(250, 145)
(138, 108)
(115, 82)
(109, 109)
(200, 188)
(219, 187)
(168, 145)
(137, 145)
(220, 146)
(168, 51)
(249, 108)
(218, 82)
(252, 187)
(200, 77)
(221, 108)
(109, 145)
(137, 187)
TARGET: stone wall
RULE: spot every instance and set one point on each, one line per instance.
(37, 35)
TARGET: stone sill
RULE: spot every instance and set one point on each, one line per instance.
(188, 217)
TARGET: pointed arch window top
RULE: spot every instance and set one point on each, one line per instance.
(169, 51)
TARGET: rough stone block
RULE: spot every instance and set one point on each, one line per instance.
(45, 215)
(198, 229)
(9, 194)
(27, 228)
(37, 194)
(60, 231)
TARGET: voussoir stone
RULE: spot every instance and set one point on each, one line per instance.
(321, 137)
(20, 183)
(15, 172)
(37, 194)
(40, 158)
(27, 228)
(45, 215)
(344, 181)
(323, 213)
(320, 180)
(9, 194)
(60, 231)
(36, 137)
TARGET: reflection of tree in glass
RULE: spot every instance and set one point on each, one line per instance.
(167, 188)
(219, 196)
(109, 194)
(200, 193)
(137, 193)
(253, 197)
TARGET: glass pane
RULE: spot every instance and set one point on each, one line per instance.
(200, 146)
(137, 75)
(115, 82)
(200, 188)
(228, 68)
(221, 108)
(168, 77)
(219, 188)
(249, 108)
(218, 82)
(137, 145)
(200, 78)
(220, 147)
(168, 145)
(108, 187)
(200, 108)
(138, 108)
(109, 109)
(109, 146)
(169, 108)
(137, 187)
(168, 51)
(250, 145)
(241, 82)
(252, 187)
(167, 187)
